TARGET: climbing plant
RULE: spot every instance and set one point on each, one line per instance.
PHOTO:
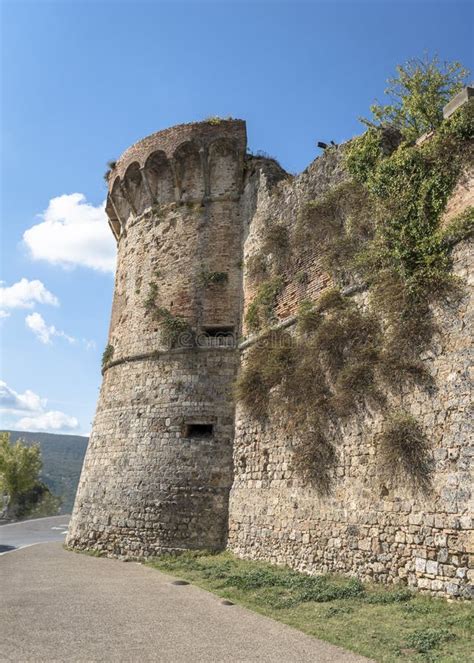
(261, 312)
(380, 229)
(174, 329)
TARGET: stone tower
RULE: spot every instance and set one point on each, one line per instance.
(158, 468)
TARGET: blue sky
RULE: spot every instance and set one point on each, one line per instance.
(81, 81)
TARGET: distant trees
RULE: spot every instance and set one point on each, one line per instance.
(21, 490)
(418, 94)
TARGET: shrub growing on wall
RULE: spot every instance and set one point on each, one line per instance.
(404, 450)
(417, 96)
(380, 228)
(107, 355)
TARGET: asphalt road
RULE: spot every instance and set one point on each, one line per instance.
(29, 532)
(62, 606)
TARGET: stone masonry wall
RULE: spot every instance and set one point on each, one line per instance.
(153, 480)
(185, 203)
(368, 526)
(146, 488)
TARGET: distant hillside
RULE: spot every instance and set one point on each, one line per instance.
(62, 462)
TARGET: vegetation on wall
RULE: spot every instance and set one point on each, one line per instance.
(417, 96)
(174, 329)
(277, 244)
(150, 300)
(405, 450)
(111, 166)
(380, 228)
(207, 277)
(107, 354)
(271, 359)
(256, 267)
(215, 120)
(260, 312)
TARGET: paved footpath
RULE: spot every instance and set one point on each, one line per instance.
(62, 606)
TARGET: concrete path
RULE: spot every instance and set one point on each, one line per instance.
(63, 606)
(29, 532)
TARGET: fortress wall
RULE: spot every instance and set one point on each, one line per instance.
(270, 198)
(152, 479)
(145, 488)
(368, 526)
(186, 205)
(168, 140)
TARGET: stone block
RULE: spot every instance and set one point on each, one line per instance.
(452, 589)
(459, 100)
(432, 567)
(442, 555)
(420, 564)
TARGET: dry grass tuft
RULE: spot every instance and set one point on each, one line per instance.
(266, 365)
(313, 458)
(404, 451)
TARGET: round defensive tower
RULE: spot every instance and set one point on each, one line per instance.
(158, 467)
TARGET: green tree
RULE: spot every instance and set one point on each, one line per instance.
(418, 94)
(20, 466)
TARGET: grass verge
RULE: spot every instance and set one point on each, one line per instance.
(385, 624)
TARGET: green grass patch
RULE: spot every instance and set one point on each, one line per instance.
(385, 624)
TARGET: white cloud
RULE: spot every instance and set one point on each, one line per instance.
(13, 401)
(32, 411)
(44, 332)
(73, 232)
(24, 294)
(49, 421)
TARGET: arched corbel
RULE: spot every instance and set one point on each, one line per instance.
(146, 184)
(177, 183)
(128, 197)
(113, 229)
(205, 171)
(120, 219)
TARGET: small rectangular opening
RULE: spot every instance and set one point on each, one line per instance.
(199, 430)
(217, 336)
(217, 332)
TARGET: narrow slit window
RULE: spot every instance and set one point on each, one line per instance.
(199, 430)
